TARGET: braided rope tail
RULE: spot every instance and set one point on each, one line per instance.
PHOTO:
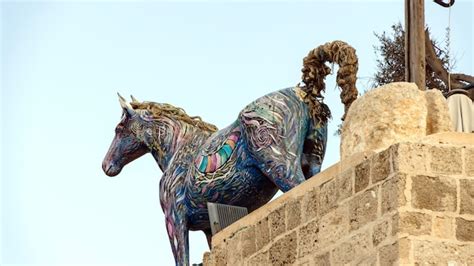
(315, 71)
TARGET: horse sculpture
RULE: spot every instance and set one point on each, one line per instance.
(277, 142)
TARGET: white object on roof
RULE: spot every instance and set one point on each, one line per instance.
(461, 110)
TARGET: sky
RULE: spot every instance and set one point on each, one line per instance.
(62, 64)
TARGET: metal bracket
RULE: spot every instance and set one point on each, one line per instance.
(222, 215)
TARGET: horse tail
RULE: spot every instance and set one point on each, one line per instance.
(315, 71)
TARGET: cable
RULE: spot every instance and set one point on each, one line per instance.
(449, 46)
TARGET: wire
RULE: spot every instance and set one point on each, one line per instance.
(449, 46)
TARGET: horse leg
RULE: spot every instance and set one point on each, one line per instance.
(284, 174)
(178, 235)
(208, 234)
(314, 149)
(182, 237)
(276, 145)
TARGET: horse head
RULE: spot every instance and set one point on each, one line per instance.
(127, 144)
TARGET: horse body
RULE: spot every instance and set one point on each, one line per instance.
(238, 181)
(273, 144)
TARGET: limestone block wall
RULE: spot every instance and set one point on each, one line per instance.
(412, 203)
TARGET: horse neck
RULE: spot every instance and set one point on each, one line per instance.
(171, 136)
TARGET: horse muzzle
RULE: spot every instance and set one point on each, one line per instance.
(110, 169)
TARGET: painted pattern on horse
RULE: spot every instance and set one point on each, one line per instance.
(276, 142)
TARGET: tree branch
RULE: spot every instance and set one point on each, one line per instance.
(463, 77)
(458, 81)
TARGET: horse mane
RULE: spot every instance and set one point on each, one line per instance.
(164, 109)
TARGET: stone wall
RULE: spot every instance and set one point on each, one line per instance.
(411, 203)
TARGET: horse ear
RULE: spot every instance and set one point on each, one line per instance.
(134, 99)
(125, 105)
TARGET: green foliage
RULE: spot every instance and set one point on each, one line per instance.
(391, 59)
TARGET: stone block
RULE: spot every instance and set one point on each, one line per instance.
(443, 227)
(234, 244)
(393, 195)
(259, 259)
(293, 214)
(446, 160)
(283, 251)
(380, 232)
(369, 260)
(206, 258)
(404, 251)
(415, 223)
(277, 222)
(467, 196)
(383, 116)
(333, 226)
(469, 161)
(381, 168)
(322, 260)
(363, 209)
(308, 240)
(426, 252)
(438, 119)
(464, 230)
(262, 233)
(344, 184)
(410, 158)
(327, 197)
(310, 205)
(434, 193)
(248, 241)
(357, 248)
(362, 176)
(218, 256)
(389, 254)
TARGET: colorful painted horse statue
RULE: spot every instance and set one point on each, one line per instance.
(277, 142)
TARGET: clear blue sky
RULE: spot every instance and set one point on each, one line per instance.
(62, 64)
